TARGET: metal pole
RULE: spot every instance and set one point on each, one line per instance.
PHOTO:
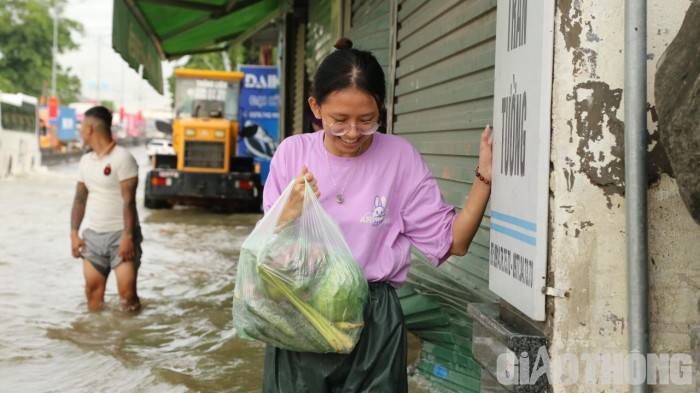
(226, 60)
(55, 49)
(636, 185)
(97, 87)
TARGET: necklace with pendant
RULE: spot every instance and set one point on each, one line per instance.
(339, 198)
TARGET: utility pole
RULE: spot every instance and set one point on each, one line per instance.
(226, 60)
(55, 49)
(123, 88)
(99, 44)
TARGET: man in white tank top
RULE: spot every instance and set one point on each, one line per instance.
(106, 194)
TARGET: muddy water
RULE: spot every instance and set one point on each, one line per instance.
(182, 340)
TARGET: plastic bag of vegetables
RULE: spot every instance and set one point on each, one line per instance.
(298, 287)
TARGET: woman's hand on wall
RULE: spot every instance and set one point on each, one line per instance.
(486, 154)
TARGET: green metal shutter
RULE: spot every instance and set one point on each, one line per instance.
(443, 98)
(322, 32)
(370, 28)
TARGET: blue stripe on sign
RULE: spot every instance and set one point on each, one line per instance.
(530, 226)
(514, 234)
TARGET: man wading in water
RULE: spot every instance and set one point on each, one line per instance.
(106, 191)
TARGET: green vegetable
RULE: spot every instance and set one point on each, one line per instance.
(341, 293)
(299, 294)
(278, 324)
(337, 339)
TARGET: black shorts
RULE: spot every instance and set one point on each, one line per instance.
(377, 364)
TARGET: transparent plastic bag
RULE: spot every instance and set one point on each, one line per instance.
(298, 287)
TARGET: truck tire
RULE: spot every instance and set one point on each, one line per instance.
(156, 204)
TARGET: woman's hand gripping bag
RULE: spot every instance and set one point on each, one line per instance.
(298, 286)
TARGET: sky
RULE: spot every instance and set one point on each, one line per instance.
(96, 63)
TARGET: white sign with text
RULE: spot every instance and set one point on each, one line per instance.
(522, 111)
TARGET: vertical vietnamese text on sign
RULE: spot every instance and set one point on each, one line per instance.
(522, 107)
(258, 133)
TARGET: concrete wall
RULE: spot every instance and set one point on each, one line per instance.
(587, 204)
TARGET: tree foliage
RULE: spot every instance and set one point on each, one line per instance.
(109, 104)
(26, 48)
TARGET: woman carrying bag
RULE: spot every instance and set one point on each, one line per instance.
(385, 200)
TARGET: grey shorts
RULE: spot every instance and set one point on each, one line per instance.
(101, 249)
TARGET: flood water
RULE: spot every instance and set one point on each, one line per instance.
(181, 341)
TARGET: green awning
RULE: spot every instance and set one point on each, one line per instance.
(144, 32)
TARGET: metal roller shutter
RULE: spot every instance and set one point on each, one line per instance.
(370, 28)
(443, 97)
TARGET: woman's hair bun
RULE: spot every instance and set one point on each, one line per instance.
(343, 43)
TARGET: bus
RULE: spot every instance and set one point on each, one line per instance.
(19, 134)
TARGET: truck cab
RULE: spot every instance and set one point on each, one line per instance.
(205, 170)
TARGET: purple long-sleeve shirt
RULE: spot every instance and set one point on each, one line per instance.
(391, 201)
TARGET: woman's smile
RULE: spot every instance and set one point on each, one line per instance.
(352, 106)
